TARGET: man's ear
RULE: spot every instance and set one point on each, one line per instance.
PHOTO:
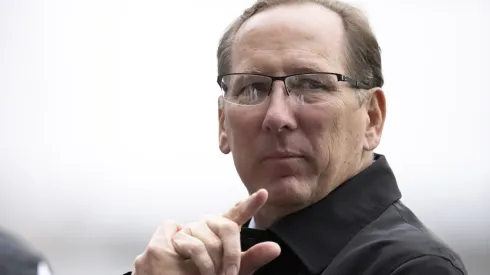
(224, 145)
(375, 105)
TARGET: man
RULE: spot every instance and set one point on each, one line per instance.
(302, 111)
(17, 258)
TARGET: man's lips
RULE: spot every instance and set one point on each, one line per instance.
(283, 155)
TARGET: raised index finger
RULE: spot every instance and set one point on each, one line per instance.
(247, 208)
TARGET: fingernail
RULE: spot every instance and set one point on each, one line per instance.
(232, 270)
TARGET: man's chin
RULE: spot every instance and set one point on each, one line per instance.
(287, 191)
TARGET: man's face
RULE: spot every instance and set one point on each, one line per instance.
(298, 152)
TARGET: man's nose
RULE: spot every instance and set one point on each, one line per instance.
(280, 115)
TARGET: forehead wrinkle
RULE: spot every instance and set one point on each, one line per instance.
(253, 61)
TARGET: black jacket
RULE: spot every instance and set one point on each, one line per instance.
(361, 228)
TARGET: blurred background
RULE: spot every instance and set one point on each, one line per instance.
(108, 121)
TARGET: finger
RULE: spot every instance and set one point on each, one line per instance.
(229, 233)
(160, 251)
(208, 237)
(162, 238)
(258, 256)
(192, 248)
(246, 209)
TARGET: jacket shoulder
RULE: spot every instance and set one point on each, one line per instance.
(428, 265)
(396, 242)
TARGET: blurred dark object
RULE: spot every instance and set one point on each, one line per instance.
(17, 257)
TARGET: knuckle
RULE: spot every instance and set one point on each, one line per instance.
(228, 227)
(239, 203)
(232, 255)
(179, 235)
(222, 224)
(153, 250)
(196, 248)
(209, 265)
(190, 227)
(231, 226)
(216, 245)
(235, 209)
(139, 261)
(179, 239)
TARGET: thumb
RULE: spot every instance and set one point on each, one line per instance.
(258, 256)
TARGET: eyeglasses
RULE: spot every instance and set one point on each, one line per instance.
(308, 88)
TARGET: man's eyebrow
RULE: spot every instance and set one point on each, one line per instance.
(253, 70)
(295, 69)
(304, 68)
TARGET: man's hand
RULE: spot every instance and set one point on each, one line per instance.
(160, 257)
(213, 245)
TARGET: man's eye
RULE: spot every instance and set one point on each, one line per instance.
(313, 85)
(248, 89)
(310, 85)
(254, 88)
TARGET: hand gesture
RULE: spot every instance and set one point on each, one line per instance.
(213, 244)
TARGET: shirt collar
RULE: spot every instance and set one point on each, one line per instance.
(317, 233)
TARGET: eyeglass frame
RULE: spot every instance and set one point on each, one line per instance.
(340, 78)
